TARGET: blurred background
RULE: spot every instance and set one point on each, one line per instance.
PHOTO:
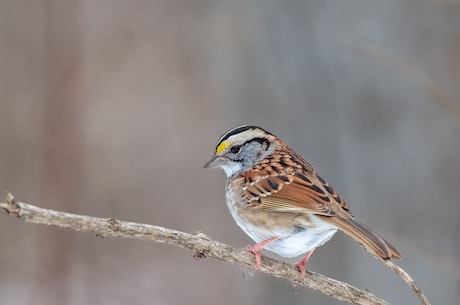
(110, 108)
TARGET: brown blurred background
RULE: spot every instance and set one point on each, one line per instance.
(110, 108)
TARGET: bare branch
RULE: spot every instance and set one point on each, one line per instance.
(408, 279)
(199, 243)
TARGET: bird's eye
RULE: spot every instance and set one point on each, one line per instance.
(235, 149)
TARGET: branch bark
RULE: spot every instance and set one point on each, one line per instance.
(199, 243)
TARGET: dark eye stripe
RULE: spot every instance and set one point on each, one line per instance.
(259, 140)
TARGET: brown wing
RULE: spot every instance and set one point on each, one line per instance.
(309, 193)
(292, 186)
(288, 183)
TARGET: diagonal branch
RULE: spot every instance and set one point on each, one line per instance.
(199, 243)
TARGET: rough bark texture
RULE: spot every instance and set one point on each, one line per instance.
(201, 245)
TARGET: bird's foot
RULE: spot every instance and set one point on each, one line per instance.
(257, 249)
(303, 262)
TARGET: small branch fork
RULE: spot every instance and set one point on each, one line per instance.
(202, 246)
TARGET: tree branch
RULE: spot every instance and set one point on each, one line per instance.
(199, 243)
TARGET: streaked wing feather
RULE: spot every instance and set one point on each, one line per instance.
(295, 193)
(280, 205)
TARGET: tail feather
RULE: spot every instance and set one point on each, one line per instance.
(367, 237)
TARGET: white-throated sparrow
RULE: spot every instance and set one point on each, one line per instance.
(281, 202)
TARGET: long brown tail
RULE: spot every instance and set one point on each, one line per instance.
(366, 237)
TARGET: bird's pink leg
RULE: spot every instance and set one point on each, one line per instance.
(257, 248)
(303, 262)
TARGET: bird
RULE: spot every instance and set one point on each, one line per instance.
(281, 202)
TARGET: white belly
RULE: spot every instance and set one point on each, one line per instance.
(300, 243)
(294, 240)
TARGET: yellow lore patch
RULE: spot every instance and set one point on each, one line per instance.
(222, 146)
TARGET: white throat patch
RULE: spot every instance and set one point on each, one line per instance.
(231, 168)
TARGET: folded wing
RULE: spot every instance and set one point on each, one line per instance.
(306, 192)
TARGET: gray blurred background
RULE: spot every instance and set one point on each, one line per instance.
(110, 108)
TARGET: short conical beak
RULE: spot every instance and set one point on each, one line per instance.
(215, 161)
